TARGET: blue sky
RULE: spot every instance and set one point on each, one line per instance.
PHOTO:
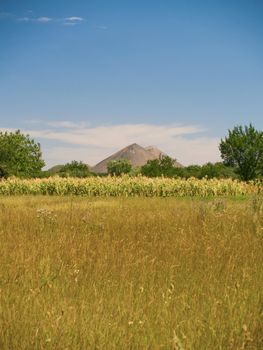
(87, 77)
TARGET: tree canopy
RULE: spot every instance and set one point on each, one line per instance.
(74, 169)
(163, 166)
(118, 167)
(243, 149)
(19, 155)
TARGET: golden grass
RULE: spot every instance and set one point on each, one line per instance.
(130, 273)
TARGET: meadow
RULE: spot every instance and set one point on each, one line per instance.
(131, 273)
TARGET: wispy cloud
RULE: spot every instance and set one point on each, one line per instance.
(44, 19)
(115, 135)
(30, 18)
(61, 124)
(72, 21)
(66, 124)
(37, 19)
(188, 144)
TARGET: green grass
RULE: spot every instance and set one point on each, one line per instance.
(134, 273)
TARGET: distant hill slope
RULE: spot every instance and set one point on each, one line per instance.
(157, 153)
(55, 169)
(135, 153)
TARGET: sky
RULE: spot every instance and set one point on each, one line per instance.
(88, 77)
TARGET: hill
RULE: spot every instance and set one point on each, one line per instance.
(157, 153)
(136, 154)
(55, 169)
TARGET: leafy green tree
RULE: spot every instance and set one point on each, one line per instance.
(218, 170)
(167, 166)
(19, 155)
(192, 171)
(243, 149)
(119, 167)
(74, 169)
(151, 168)
(164, 166)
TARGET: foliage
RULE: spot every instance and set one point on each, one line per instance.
(217, 170)
(130, 187)
(19, 155)
(164, 166)
(119, 167)
(209, 170)
(192, 171)
(243, 149)
(74, 169)
(135, 171)
(137, 273)
(151, 168)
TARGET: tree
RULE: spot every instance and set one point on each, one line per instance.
(167, 166)
(74, 169)
(193, 170)
(119, 167)
(19, 155)
(163, 166)
(243, 149)
(218, 170)
(151, 168)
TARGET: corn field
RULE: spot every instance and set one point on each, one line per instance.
(129, 187)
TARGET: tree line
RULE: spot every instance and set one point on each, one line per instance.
(241, 151)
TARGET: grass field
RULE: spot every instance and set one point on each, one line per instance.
(131, 273)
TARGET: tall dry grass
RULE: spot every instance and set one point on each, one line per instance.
(80, 273)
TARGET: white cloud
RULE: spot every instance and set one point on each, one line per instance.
(62, 155)
(44, 19)
(62, 124)
(31, 18)
(66, 124)
(74, 19)
(92, 144)
(115, 135)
